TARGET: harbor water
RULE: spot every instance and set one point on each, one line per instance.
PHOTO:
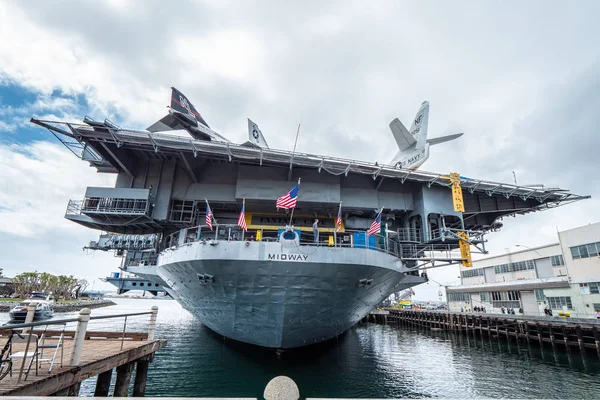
(368, 361)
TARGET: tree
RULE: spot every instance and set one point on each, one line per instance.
(1, 276)
(61, 286)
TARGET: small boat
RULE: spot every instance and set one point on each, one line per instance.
(43, 310)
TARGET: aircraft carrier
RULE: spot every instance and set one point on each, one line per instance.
(273, 286)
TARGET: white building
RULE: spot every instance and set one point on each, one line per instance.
(563, 276)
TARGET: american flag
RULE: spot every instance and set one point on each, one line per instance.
(289, 200)
(338, 221)
(242, 218)
(376, 225)
(209, 216)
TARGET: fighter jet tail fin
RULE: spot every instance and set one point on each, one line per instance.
(181, 104)
(255, 136)
(404, 139)
(182, 115)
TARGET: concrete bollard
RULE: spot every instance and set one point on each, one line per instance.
(281, 388)
(84, 318)
(30, 314)
(152, 324)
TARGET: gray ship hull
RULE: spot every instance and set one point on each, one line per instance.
(266, 295)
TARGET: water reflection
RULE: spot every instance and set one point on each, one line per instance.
(369, 361)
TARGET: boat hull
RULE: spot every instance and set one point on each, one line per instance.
(262, 298)
(39, 315)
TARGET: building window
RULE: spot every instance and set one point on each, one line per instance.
(459, 297)
(472, 272)
(584, 288)
(557, 261)
(513, 267)
(539, 295)
(509, 299)
(593, 287)
(585, 250)
(485, 296)
(559, 302)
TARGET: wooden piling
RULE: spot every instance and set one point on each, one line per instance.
(123, 379)
(566, 338)
(141, 374)
(103, 384)
(74, 390)
(552, 340)
(597, 340)
(580, 339)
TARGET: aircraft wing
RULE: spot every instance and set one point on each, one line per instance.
(403, 137)
(443, 139)
(166, 123)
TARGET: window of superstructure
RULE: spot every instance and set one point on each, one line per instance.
(484, 296)
(559, 302)
(557, 261)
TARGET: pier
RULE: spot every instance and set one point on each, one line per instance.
(565, 333)
(58, 360)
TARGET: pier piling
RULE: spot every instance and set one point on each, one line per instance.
(123, 379)
(103, 384)
(544, 329)
(141, 374)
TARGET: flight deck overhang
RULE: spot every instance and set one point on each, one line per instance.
(112, 149)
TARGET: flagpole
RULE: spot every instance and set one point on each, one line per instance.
(335, 227)
(212, 218)
(244, 209)
(292, 213)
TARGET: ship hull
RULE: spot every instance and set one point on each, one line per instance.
(272, 297)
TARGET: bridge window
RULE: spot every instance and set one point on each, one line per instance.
(485, 296)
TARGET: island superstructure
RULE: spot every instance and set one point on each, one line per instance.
(272, 286)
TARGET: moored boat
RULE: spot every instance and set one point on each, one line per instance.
(43, 310)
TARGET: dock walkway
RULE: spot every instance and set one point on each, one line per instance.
(85, 354)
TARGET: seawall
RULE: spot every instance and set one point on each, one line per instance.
(6, 306)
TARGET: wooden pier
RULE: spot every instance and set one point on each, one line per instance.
(581, 334)
(84, 354)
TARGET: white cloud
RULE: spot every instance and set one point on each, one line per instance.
(36, 181)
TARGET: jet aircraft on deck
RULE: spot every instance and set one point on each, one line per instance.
(413, 145)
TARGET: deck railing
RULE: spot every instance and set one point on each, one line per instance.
(394, 243)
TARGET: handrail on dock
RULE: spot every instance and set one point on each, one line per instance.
(82, 324)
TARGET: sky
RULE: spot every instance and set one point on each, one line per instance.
(520, 79)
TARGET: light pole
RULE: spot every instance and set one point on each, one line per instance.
(527, 247)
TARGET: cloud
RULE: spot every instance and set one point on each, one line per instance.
(524, 92)
(37, 180)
